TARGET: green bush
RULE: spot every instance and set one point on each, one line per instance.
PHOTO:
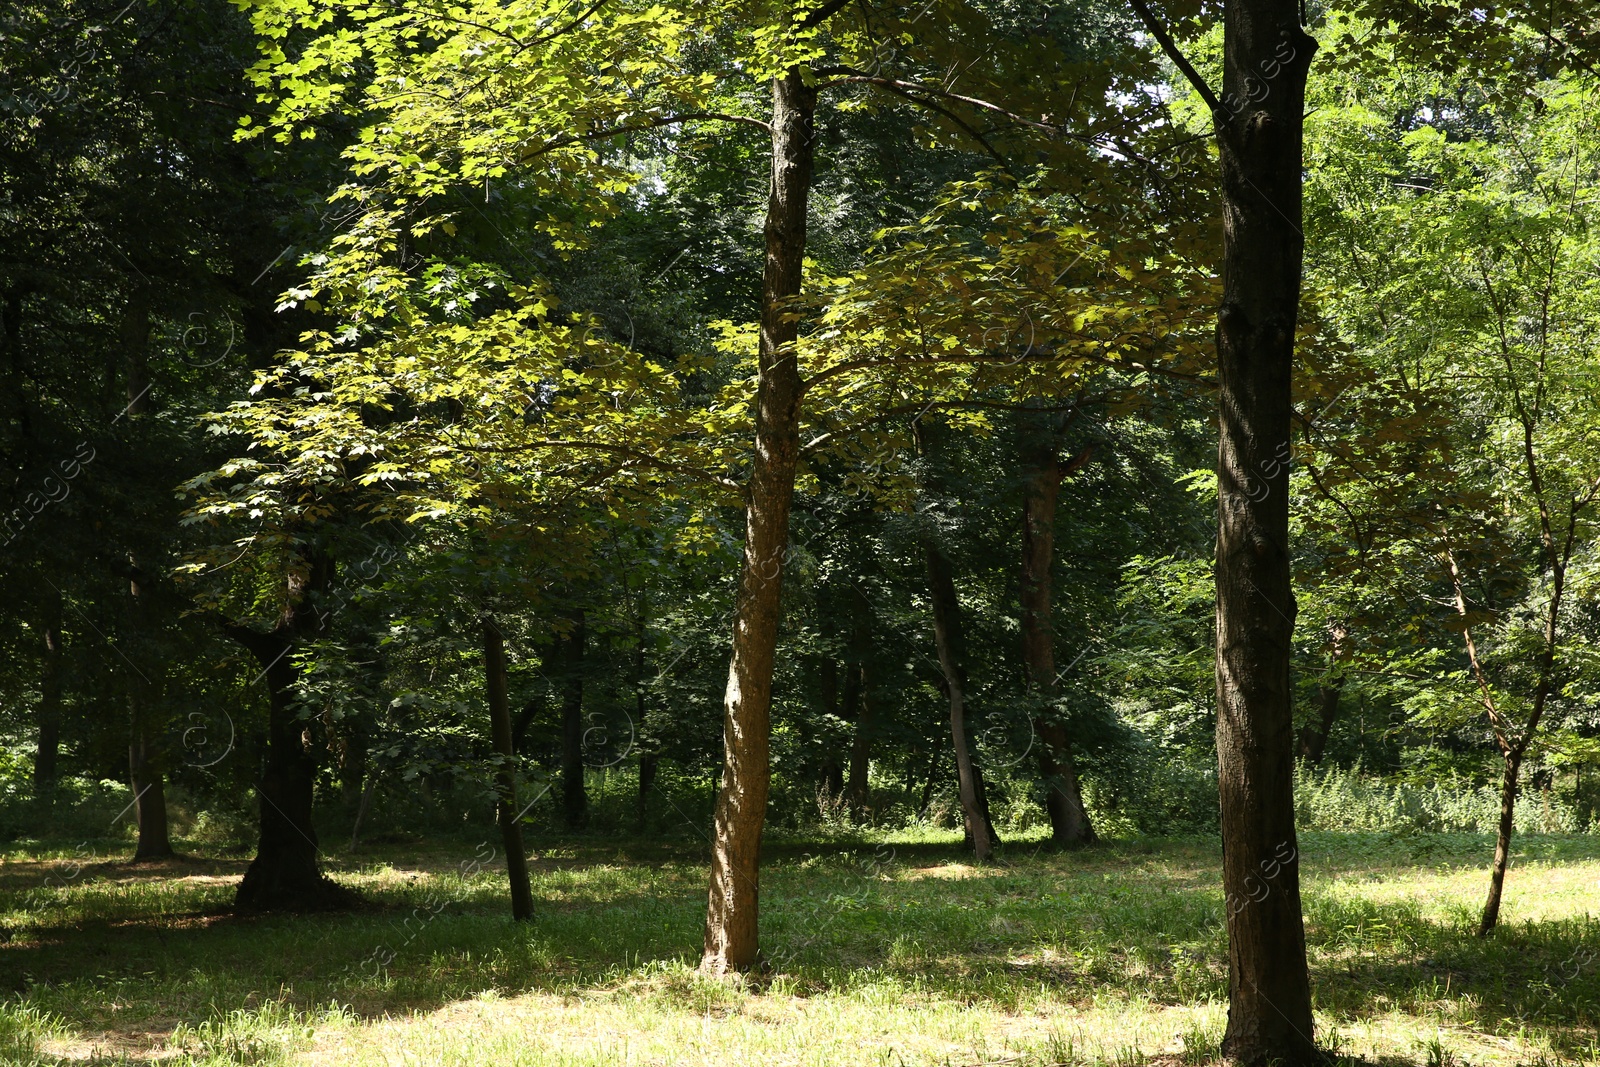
(1347, 799)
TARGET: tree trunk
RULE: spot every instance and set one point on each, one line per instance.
(144, 771)
(980, 788)
(285, 874)
(647, 781)
(647, 760)
(731, 937)
(859, 790)
(1069, 820)
(1266, 56)
(574, 795)
(859, 706)
(1314, 736)
(947, 638)
(832, 770)
(506, 811)
(1502, 843)
(362, 807)
(48, 753)
(149, 800)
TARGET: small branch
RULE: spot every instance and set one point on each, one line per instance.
(1043, 355)
(823, 13)
(1170, 47)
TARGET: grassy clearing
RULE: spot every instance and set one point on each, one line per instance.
(886, 950)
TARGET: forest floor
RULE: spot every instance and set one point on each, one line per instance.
(885, 950)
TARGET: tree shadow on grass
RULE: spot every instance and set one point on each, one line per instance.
(1052, 928)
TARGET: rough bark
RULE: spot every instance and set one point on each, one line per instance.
(574, 794)
(1043, 471)
(149, 799)
(731, 938)
(506, 811)
(1259, 132)
(947, 638)
(285, 874)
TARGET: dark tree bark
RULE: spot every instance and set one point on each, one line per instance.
(647, 782)
(1314, 735)
(144, 764)
(947, 638)
(49, 750)
(858, 792)
(731, 936)
(1259, 127)
(980, 787)
(526, 717)
(859, 705)
(831, 778)
(1512, 765)
(506, 811)
(1069, 820)
(1269, 989)
(149, 799)
(285, 874)
(933, 777)
(574, 794)
(647, 759)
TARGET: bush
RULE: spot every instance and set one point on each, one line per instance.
(1346, 799)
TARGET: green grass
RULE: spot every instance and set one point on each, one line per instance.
(885, 950)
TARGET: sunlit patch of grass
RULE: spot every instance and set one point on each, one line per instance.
(880, 949)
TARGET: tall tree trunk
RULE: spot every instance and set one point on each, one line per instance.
(144, 769)
(285, 875)
(947, 638)
(574, 795)
(859, 706)
(933, 777)
(731, 936)
(149, 798)
(647, 759)
(647, 781)
(1265, 58)
(831, 778)
(858, 793)
(505, 809)
(48, 752)
(1069, 820)
(1502, 842)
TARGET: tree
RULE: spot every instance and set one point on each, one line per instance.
(1043, 472)
(1258, 123)
(1471, 235)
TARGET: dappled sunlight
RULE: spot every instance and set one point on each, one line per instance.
(1098, 952)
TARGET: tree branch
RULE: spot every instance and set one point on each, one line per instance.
(1170, 47)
